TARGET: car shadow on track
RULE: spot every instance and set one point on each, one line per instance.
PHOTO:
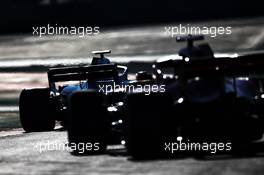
(255, 150)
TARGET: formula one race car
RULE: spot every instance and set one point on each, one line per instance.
(91, 110)
(40, 108)
(203, 99)
(194, 98)
(208, 100)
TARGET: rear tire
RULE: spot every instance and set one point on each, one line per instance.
(88, 123)
(35, 110)
(146, 132)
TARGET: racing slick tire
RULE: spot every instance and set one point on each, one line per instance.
(88, 126)
(145, 127)
(35, 110)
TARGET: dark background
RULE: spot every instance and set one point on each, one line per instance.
(20, 15)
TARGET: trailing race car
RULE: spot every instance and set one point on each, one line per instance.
(207, 100)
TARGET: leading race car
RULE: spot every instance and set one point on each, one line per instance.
(39, 108)
(91, 109)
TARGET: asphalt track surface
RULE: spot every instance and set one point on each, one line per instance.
(19, 151)
(21, 154)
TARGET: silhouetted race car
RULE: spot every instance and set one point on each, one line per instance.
(193, 99)
(211, 105)
(208, 102)
(40, 108)
(91, 109)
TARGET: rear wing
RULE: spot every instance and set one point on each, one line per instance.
(91, 72)
(242, 65)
